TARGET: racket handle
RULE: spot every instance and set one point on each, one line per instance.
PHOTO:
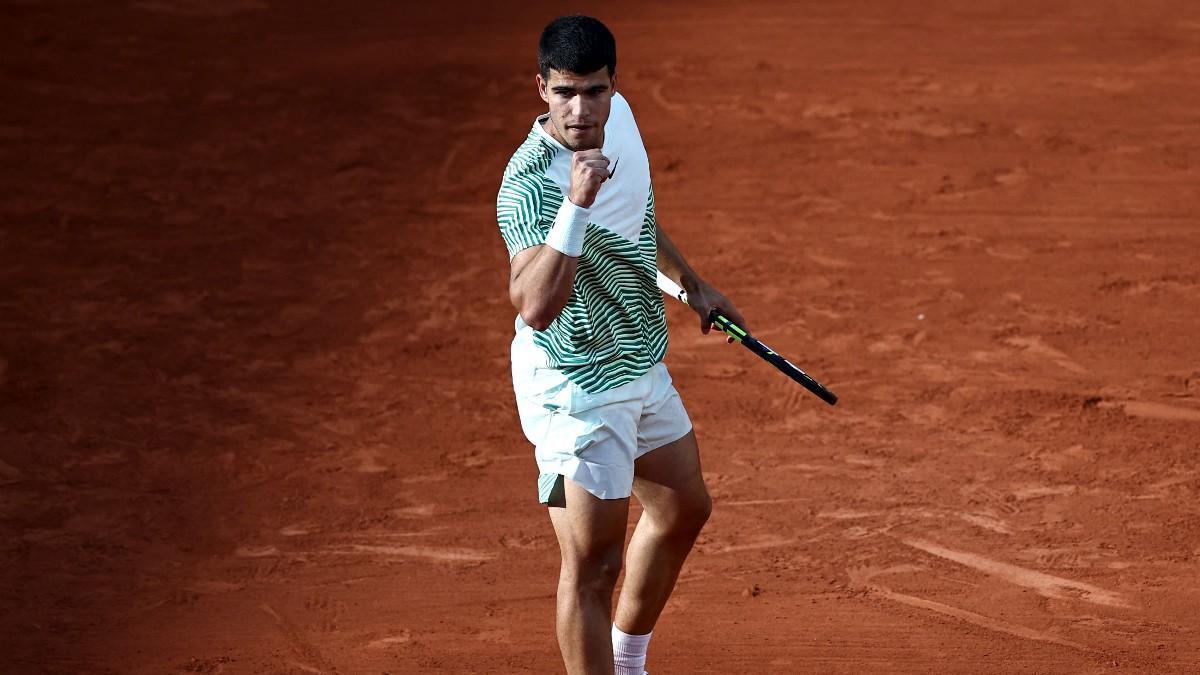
(770, 356)
(666, 285)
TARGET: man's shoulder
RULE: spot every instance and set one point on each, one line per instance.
(531, 159)
(621, 104)
(620, 114)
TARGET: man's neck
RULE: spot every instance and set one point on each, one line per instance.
(548, 127)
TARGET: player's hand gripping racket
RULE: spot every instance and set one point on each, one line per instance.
(753, 344)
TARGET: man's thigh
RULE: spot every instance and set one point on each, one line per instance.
(668, 481)
(588, 527)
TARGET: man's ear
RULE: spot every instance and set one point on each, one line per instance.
(541, 85)
(613, 79)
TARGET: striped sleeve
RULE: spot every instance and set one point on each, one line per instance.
(519, 212)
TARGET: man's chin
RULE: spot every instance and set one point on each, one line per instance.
(583, 141)
(583, 145)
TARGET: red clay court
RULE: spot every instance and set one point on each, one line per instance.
(255, 406)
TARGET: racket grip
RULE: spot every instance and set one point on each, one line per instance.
(770, 356)
(666, 285)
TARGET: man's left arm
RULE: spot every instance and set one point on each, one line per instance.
(701, 295)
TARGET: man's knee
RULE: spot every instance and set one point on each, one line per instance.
(593, 572)
(688, 517)
(698, 513)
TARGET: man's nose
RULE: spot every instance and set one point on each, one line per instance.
(585, 107)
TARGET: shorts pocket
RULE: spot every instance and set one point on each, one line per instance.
(545, 387)
(554, 391)
(571, 434)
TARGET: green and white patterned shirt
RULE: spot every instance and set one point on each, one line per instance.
(613, 328)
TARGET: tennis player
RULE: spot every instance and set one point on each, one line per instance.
(576, 211)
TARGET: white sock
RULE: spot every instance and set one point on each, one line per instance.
(629, 651)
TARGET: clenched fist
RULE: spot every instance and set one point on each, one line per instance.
(589, 169)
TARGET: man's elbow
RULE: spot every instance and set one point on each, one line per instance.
(537, 315)
(537, 318)
(536, 310)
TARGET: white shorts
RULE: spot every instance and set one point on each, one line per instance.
(593, 439)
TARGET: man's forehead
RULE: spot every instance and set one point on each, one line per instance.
(566, 78)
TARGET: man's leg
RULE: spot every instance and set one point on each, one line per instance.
(591, 535)
(676, 505)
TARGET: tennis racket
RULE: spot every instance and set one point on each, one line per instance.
(753, 344)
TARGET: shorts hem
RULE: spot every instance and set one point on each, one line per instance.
(551, 487)
(642, 453)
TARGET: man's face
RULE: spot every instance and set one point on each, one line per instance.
(579, 106)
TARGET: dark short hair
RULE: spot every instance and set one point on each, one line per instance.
(577, 44)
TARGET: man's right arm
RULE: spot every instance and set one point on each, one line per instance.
(540, 284)
(541, 277)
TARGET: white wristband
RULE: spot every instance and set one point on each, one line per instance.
(570, 224)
